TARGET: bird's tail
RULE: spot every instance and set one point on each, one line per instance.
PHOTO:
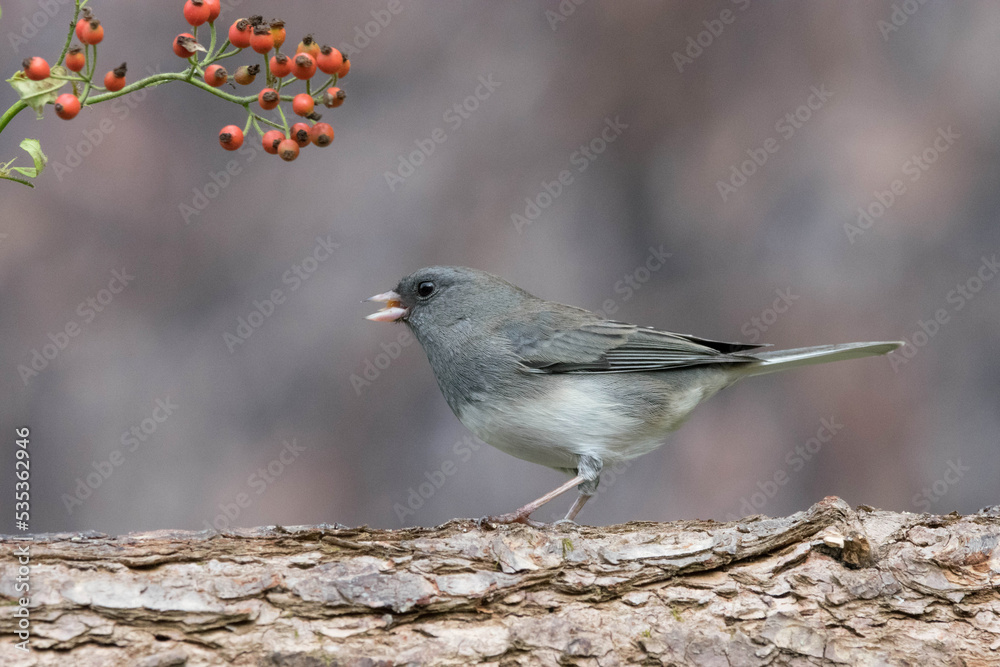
(780, 360)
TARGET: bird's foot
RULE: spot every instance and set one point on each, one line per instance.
(566, 522)
(509, 518)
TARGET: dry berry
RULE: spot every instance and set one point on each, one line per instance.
(196, 12)
(246, 74)
(304, 66)
(75, 60)
(115, 79)
(268, 98)
(278, 32)
(36, 68)
(271, 140)
(91, 33)
(231, 137)
(329, 60)
(288, 150)
(281, 65)
(67, 106)
(300, 134)
(334, 97)
(303, 104)
(185, 45)
(308, 45)
(216, 75)
(240, 33)
(321, 134)
(262, 40)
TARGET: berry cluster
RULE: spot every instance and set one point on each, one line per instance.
(280, 70)
(76, 67)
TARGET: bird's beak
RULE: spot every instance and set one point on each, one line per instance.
(393, 311)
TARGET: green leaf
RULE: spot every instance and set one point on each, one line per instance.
(37, 94)
(34, 149)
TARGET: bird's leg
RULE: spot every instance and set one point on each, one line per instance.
(521, 514)
(588, 476)
(578, 504)
(589, 469)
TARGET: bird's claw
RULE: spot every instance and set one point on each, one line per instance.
(509, 518)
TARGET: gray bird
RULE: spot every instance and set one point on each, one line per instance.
(561, 386)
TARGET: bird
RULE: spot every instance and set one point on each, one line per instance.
(562, 386)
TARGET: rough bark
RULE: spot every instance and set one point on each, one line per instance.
(829, 585)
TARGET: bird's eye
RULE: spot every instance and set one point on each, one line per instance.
(425, 289)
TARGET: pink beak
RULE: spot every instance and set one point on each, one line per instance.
(393, 311)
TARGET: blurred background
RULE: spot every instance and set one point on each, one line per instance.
(788, 173)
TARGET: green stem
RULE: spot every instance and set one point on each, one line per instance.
(8, 115)
(72, 29)
(283, 120)
(211, 44)
(265, 120)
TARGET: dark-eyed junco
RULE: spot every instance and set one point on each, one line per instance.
(562, 386)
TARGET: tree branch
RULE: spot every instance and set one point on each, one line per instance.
(826, 586)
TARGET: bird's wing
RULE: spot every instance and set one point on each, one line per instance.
(577, 341)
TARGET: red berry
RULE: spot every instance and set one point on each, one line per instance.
(329, 60)
(308, 45)
(278, 32)
(67, 106)
(271, 140)
(196, 12)
(288, 150)
(303, 104)
(334, 97)
(281, 65)
(85, 17)
(300, 134)
(240, 33)
(246, 74)
(344, 69)
(91, 33)
(115, 79)
(268, 98)
(304, 66)
(321, 134)
(216, 75)
(214, 9)
(231, 137)
(75, 60)
(36, 68)
(262, 40)
(185, 45)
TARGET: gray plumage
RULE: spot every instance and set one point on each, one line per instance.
(562, 386)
